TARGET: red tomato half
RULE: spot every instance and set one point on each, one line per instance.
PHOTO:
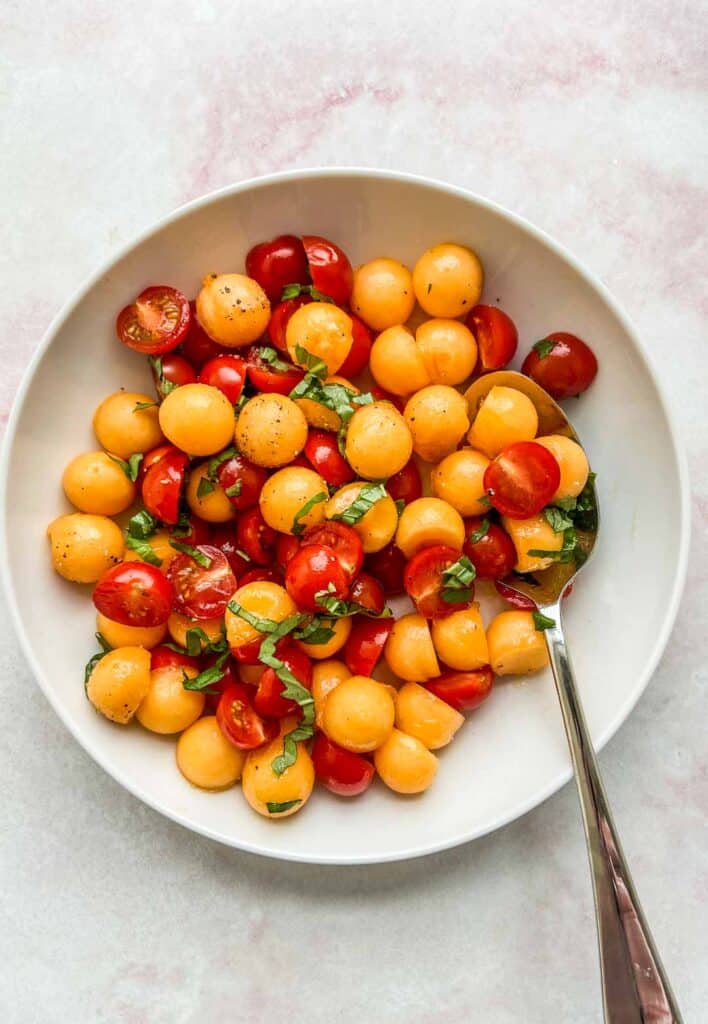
(134, 594)
(368, 592)
(239, 722)
(163, 656)
(463, 690)
(194, 534)
(268, 380)
(494, 554)
(343, 541)
(227, 373)
(156, 322)
(406, 483)
(313, 569)
(268, 700)
(565, 369)
(330, 270)
(496, 334)
(153, 456)
(215, 690)
(514, 598)
(358, 358)
(197, 346)
(162, 486)
(277, 263)
(223, 536)
(173, 369)
(242, 481)
(522, 479)
(366, 643)
(286, 549)
(424, 583)
(270, 575)
(202, 591)
(387, 566)
(323, 452)
(339, 770)
(278, 322)
(255, 537)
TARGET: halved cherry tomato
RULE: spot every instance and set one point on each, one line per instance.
(154, 455)
(241, 481)
(278, 322)
(277, 263)
(268, 700)
(156, 322)
(522, 479)
(238, 721)
(192, 531)
(255, 537)
(163, 656)
(339, 770)
(424, 582)
(330, 270)
(197, 346)
(514, 598)
(323, 452)
(314, 570)
(387, 566)
(223, 536)
(286, 549)
(134, 594)
(268, 379)
(358, 358)
(496, 335)
(272, 574)
(248, 654)
(171, 370)
(344, 542)
(215, 690)
(202, 591)
(406, 484)
(366, 643)
(227, 373)
(162, 486)
(381, 395)
(565, 368)
(463, 690)
(368, 592)
(494, 554)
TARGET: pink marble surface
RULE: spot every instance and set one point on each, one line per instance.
(586, 119)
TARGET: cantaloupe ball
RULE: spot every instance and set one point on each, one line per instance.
(428, 521)
(270, 430)
(404, 764)
(198, 419)
(573, 463)
(460, 640)
(359, 714)
(449, 350)
(459, 480)
(206, 758)
(123, 428)
(179, 625)
(263, 599)
(207, 500)
(377, 526)
(409, 650)
(447, 280)
(383, 293)
(159, 544)
(287, 493)
(437, 418)
(233, 309)
(117, 635)
(516, 647)
(504, 417)
(321, 329)
(94, 482)
(119, 682)
(533, 534)
(379, 442)
(84, 546)
(341, 628)
(286, 793)
(167, 707)
(396, 363)
(423, 715)
(325, 676)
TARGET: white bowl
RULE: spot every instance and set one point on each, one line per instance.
(512, 752)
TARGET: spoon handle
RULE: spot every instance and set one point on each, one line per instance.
(634, 984)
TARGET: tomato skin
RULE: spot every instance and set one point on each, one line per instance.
(163, 656)
(227, 373)
(313, 569)
(322, 451)
(330, 270)
(197, 534)
(286, 549)
(270, 381)
(366, 643)
(522, 479)
(162, 486)
(339, 770)
(463, 690)
(223, 536)
(239, 722)
(387, 566)
(368, 592)
(134, 594)
(568, 369)
(496, 336)
(406, 484)
(344, 542)
(201, 592)
(153, 456)
(277, 325)
(270, 575)
(175, 369)
(229, 678)
(276, 263)
(423, 580)
(358, 358)
(515, 599)
(381, 395)
(156, 321)
(268, 700)
(255, 537)
(197, 346)
(252, 478)
(494, 554)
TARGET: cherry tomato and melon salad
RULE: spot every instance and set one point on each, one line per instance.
(307, 455)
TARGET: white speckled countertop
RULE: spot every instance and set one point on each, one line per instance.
(584, 118)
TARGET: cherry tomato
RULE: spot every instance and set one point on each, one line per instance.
(278, 322)
(358, 358)
(255, 537)
(330, 270)
(425, 584)
(162, 486)
(171, 369)
(463, 690)
(248, 654)
(313, 570)
(366, 643)
(134, 594)
(522, 479)
(277, 263)
(215, 690)
(514, 598)
(268, 380)
(242, 481)
(406, 484)
(368, 592)
(238, 721)
(156, 322)
(494, 554)
(323, 452)
(285, 549)
(163, 656)
(343, 541)
(268, 700)
(227, 373)
(197, 346)
(223, 536)
(339, 770)
(270, 575)
(154, 455)
(381, 395)
(387, 566)
(193, 531)
(203, 585)
(565, 369)
(496, 335)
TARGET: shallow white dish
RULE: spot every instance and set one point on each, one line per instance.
(512, 752)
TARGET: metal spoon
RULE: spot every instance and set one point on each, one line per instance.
(635, 989)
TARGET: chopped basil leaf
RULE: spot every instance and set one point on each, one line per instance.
(586, 510)
(338, 608)
(194, 639)
(216, 461)
(457, 581)
(276, 808)
(541, 621)
(485, 500)
(131, 467)
(316, 631)
(544, 347)
(199, 557)
(291, 291)
(234, 490)
(162, 384)
(264, 625)
(144, 550)
(269, 356)
(142, 525)
(145, 405)
(316, 366)
(363, 503)
(93, 661)
(298, 525)
(557, 519)
(567, 504)
(481, 531)
(340, 399)
(204, 487)
(208, 677)
(183, 527)
(569, 550)
(243, 555)
(400, 504)
(242, 399)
